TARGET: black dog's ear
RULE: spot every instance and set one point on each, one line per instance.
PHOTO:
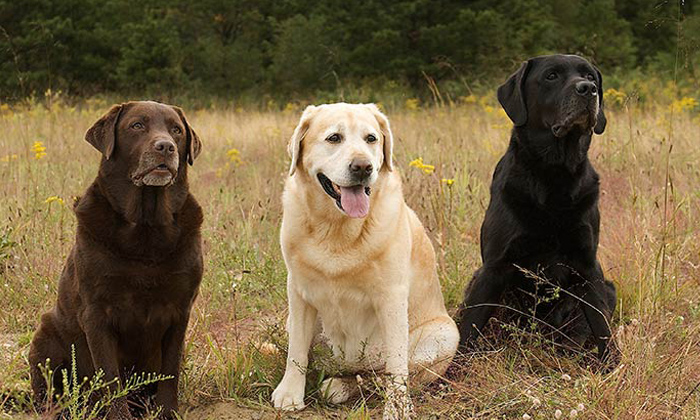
(194, 144)
(512, 97)
(601, 121)
(102, 135)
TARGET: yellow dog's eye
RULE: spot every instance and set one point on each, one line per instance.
(371, 138)
(334, 138)
(177, 130)
(138, 126)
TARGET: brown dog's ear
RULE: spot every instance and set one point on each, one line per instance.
(511, 95)
(194, 144)
(388, 135)
(601, 121)
(102, 135)
(294, 146)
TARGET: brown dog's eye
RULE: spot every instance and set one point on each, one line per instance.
(552, 75)
(137, 126)
(177, 130)
(371, 138)
(334, 138)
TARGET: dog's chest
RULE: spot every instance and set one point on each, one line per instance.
(140, 299)
(349, 323)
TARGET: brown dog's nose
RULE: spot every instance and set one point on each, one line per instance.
(586, 88)
(360, 167)
(164, 147)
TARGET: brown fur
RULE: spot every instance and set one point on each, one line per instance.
(127, 288)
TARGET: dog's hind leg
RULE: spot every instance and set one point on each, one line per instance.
(480, 299)
(46, 350)
(433, 345)
(340, 389)
(49, 350)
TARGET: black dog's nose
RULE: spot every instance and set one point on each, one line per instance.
(360, 167)
(586, 88)
(164, 147)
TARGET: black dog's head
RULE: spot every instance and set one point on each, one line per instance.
(555, 93)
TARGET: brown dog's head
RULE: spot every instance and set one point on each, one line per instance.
(555, 93)
(148, 142)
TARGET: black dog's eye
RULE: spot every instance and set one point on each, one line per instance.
(177, 130)
(138, 126)
(371, 138)
(590, 77)
(334, 138)
(552, 75)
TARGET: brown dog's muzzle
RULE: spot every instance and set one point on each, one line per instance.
(158, 164)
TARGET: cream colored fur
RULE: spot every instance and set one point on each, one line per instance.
(372, 281)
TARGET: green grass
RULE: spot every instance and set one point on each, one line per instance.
(234, 357)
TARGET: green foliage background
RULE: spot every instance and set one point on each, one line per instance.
(294, 49)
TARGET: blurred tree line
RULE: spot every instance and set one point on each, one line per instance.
(301, 48)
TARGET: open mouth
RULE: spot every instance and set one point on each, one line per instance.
(353, 200)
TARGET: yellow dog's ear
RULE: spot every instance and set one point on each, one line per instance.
(385, 128)
(294, 146)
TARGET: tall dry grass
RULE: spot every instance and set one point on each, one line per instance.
(650, 247)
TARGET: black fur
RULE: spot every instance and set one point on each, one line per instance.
(543, 215)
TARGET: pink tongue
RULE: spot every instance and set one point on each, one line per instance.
(354, 201)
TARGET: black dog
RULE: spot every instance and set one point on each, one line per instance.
(540, 235)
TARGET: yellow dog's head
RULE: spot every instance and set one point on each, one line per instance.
(343, 147)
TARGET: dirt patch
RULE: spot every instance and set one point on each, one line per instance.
(232, 411)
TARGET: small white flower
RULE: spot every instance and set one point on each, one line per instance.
(536, 402)
(557, 414)
(526, 416)
(573, 413)
(359, 380)
(566, 377)
(580, 407)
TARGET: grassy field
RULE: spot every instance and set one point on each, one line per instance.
(649, 161)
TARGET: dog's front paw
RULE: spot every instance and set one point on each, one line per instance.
(398, 404)
(289, 394)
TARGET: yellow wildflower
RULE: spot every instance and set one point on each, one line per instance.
(234, 156)
(447, 182)
(684, 104)
(8, 158)
(418, 163)
(614, 96)
(290, 108)
(471, 99)
(412, 104)
(39, 150)
(53, 198)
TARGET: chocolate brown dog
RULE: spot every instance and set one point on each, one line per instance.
(126, 291)
(543, 215)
